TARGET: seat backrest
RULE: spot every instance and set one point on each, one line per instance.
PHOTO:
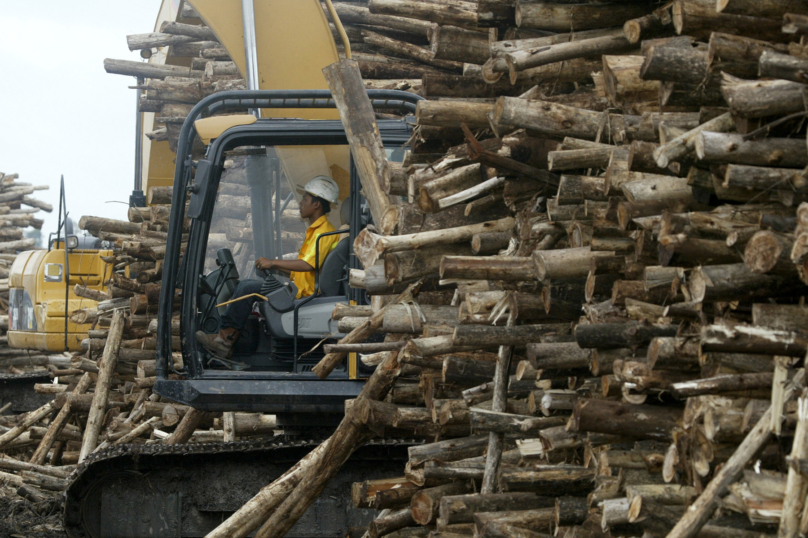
(332, 274)
(345, 210)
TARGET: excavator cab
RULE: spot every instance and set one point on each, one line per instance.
(242, 202)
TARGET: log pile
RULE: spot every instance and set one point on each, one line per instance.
(604, 236)
(18, 208)
(620, 351)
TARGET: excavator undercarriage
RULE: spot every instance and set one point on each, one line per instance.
(145, 491)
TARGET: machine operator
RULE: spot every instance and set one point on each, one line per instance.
(318, 195)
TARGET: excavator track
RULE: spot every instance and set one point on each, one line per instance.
(19, 390)
(134, 491)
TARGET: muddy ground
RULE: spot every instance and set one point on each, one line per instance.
(20, 518)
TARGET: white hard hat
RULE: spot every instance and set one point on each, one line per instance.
(323, 187)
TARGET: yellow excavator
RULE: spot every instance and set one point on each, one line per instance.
(286, 130)
(41, 282)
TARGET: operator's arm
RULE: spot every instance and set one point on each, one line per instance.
(284, 265)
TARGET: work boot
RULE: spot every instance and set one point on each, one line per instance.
(217, 346)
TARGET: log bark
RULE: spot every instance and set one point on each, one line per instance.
(426, 503)
(459, 179)
(728, 148)
(155, 40)
(754, 340)
(250, 516)
(500, 422)
(201, 33)
(453, 113)
(388, 524)
(565, 263)
(508, 268)
(403, 48)
(354, 14)
(737, 55)
(538, 56)
(147, 70)
(736, 282)
(186, 427)
(359, 120)
(552, 119)
(455, 509)
(700, 19)
(102, 386)
(459, 45)
(620, 335)
(721, 384)
(596, 157)
(782, 66)
(30, 419)
(484, 244)
(480, 335)
(759, 98)
(425, 11)
(779, 316)
(408, 265)
(562, 17)
(615, 418)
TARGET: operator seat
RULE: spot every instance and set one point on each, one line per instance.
(333, 274)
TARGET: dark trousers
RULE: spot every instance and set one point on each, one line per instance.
(237, 313)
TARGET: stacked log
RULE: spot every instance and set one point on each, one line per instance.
(18, 208)
(625, 329)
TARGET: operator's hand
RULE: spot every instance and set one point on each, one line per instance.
(263, 263)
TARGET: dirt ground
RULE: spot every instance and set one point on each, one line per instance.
(20, 518)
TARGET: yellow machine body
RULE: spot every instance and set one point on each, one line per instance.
(37, 278)
(293, 45)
